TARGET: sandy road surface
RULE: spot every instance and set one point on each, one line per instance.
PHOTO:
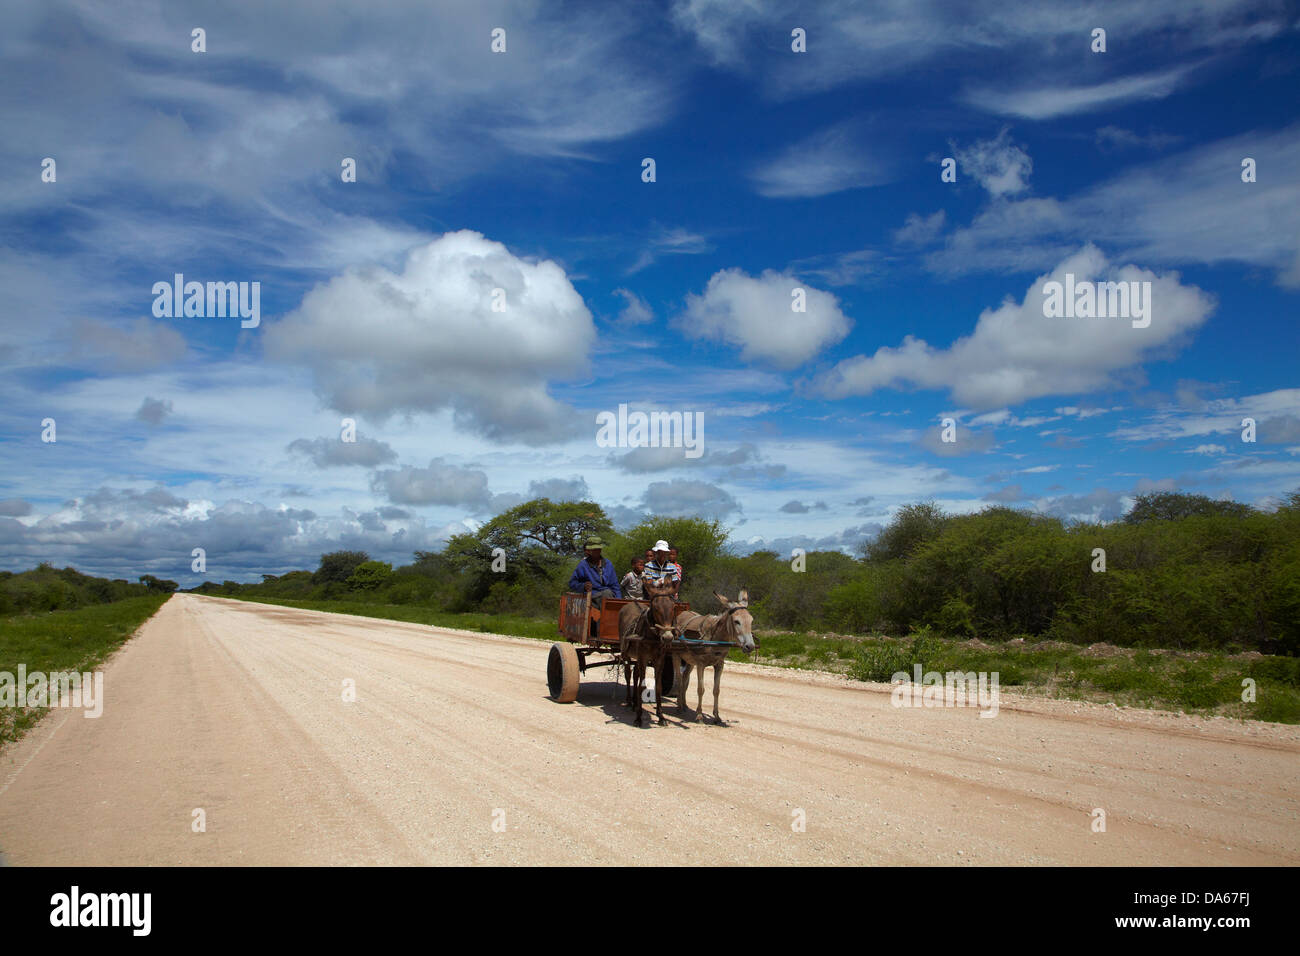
(238, 709)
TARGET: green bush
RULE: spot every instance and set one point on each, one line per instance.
(698, 543)
(854, 607)
(369, 575)
(955, 617)
(337, 566)
(45, 589)
(1282, 670)
(881, 661)
(1216, 578)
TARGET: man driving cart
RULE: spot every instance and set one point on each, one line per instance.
(595, 574)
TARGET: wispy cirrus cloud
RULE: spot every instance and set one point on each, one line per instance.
(826, 162)
(851, 42)
(1188, 207)
(1276, 414)
(921, 230)
(1039, 103)
(670, 242)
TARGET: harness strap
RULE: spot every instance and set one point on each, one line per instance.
(711, 629)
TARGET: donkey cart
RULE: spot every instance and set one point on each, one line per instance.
(590, 631)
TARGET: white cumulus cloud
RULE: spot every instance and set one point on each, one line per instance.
(1015, 353)
(428, 338)
(997, 164)
(756, 315)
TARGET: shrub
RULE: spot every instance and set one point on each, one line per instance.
(369, 575)
(337, 566)
(854, 606)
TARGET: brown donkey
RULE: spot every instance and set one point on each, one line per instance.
(717, 634)
(645, 635)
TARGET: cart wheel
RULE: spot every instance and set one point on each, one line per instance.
(563, 672)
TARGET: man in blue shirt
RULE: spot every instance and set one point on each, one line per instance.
(595, 574)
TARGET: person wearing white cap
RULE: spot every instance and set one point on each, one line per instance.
(662, 570)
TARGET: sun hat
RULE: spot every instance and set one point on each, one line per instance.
(594, 542)
(662, 545)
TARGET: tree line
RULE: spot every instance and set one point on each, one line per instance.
(1180, 571)
(46, 588)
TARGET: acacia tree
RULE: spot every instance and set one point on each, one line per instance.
(534, 534)
(558, 526)
(537, 540)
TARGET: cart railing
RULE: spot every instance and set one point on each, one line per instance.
(577, 616)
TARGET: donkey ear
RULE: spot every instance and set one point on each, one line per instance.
(743, 598)
(726, 602)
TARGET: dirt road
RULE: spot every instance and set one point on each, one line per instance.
(452, 753)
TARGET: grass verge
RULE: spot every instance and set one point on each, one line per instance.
(65, 641)
(1194, 682)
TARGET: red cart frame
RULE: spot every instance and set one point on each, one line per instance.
(588, 630)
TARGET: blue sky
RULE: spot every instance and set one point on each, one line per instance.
(522, 170)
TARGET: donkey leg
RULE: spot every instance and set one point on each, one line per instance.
(681, 671)
(717, 684)
(699, 691)
(640, 690)
(659, 687)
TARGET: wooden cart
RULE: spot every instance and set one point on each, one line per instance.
(587, 631)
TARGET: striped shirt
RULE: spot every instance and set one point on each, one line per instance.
(668, 573)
